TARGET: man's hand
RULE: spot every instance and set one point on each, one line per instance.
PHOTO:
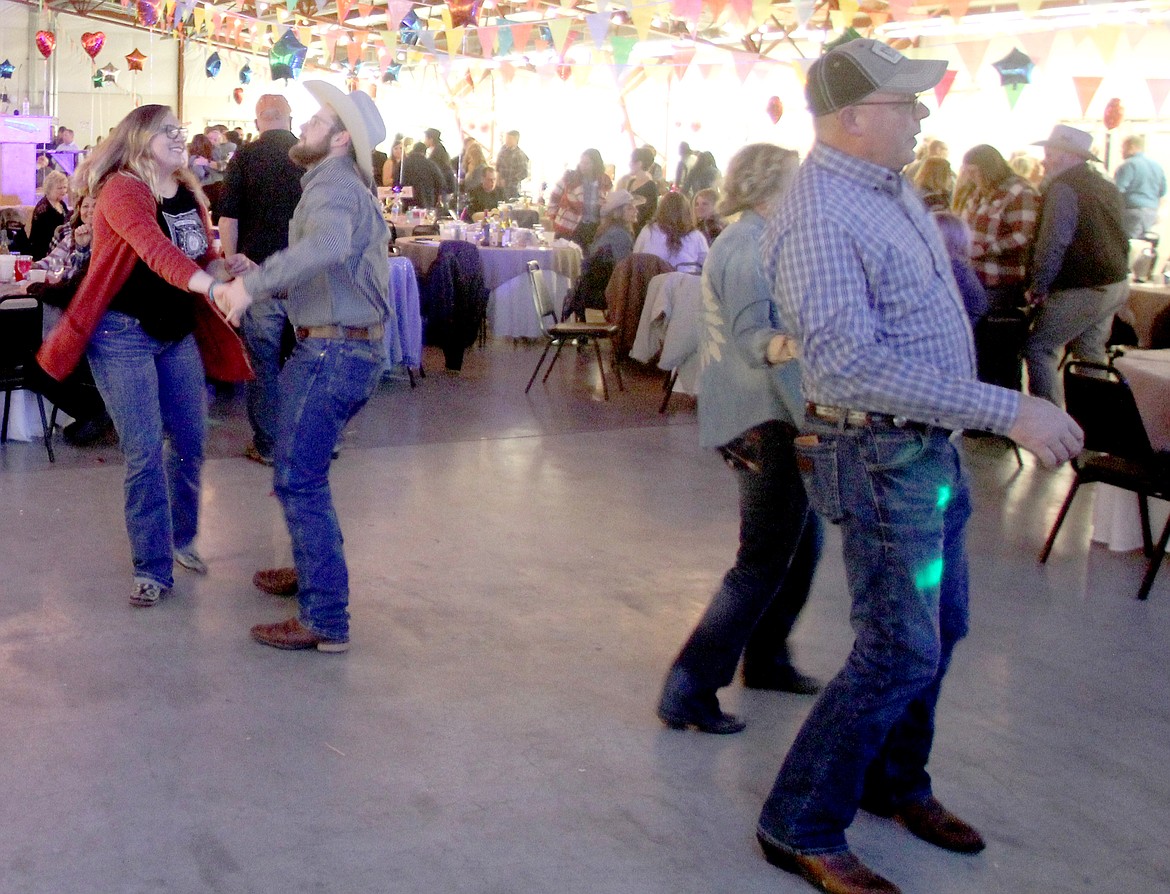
(781, 349)
(1047, 431)
(239, 264)
(233, 299)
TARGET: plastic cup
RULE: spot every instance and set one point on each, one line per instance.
(22, 266)
(7, 268)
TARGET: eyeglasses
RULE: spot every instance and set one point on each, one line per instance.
(173, 133)
(908, 103)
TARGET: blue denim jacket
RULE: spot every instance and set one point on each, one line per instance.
(737, 389)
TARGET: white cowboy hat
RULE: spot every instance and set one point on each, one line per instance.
(618, 198)
(360, 118)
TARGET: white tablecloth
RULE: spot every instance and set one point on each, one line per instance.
(499, 264)
(511, 310)
(1117, 520)
(404, 341)
(1144, 303)
(24, 420)
(1148, 374)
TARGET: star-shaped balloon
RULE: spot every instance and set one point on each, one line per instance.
(109, 72)
(212, 65)
(390, 75)
(1014, 68)
(408, 29)
(148, 12)
(287, 56)
(98, 80)
(134, 60)
(246, 74)
(463, 12)
(6, 69)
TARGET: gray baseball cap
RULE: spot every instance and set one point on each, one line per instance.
(852, 71)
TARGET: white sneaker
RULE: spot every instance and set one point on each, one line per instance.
(146, 593)
(191, 560)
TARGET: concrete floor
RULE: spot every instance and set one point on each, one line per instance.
(523, 570)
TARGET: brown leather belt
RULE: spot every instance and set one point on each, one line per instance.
(348, 333)
(846, 418)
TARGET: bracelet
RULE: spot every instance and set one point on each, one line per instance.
(211, 292)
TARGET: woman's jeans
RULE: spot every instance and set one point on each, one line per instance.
(154, 393)
(901, 499)
(322, 386)
(761, 596)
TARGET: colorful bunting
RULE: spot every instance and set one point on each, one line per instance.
(1159, 89)
(1086, 89)
(943, 87)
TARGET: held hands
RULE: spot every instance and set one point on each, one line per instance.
(232, 299)
(1047, 431)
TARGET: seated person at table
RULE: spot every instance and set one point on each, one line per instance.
(707, 219)
(50, 213)
(619, 215)
(12, 222)
(487, 195)
(672, 235)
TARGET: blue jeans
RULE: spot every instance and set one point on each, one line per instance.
(154, 393)
(761, 596)
(262, 328)
(322, 386)
(902, 501)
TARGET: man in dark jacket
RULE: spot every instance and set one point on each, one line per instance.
(437, 153)
(1079, 265)
(424, 178)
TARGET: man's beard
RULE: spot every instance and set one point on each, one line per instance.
(306, 154)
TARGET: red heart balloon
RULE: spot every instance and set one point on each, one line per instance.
(238, 95)
(46, 43)
(93, 41)
(564, 71)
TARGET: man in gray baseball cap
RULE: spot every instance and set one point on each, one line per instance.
(862, 279)
(337, 283)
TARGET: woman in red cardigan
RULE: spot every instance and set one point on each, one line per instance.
(134, 317)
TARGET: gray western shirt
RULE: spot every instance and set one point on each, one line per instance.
(335, 269)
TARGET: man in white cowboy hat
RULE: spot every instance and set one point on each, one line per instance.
(1079, 264)
(861, 277)
(336, 279)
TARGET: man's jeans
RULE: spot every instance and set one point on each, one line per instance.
(262, 328)
(761, 596)
(901, 499)
(322, 386)
(1077, 318)
(154, 389)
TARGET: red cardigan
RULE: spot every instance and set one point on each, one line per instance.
(125, 228)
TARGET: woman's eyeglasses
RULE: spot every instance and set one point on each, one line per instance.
(174, 133)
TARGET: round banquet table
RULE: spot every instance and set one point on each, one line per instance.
(499, 264)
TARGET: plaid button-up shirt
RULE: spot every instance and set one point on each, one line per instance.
(1003, 225)
(860, 275)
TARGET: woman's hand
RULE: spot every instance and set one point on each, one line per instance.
(219, 270)
(233, 299)
(82, 234)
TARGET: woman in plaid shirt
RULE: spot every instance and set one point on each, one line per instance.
(1002, 213)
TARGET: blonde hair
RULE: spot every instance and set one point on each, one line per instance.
(934, 175)
(127, 149)
(54, 178)
(756, 173)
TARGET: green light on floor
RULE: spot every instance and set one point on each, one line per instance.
(944, 496)
(930, 576)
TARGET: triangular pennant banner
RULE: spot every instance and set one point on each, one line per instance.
(487, 39)
(899, 10)
(972, 53)
(804, 9)
(507, 71)
(943, 87)
(744, 63)
(504, 42)
(1037, 44)
(681, 61)
(1105, 38)
(396, 11)
(801, 67)
(305, 35)
(365, 10)
(1159, 88)
(353, 52)
(455, 40)
(520, 34)
(848, 10)
(598, 23)
(1013, 92)
(1086, 90)
(687, 10)
(642, 15)
(1029, 7)
(559, 28)
(958, 8)
(343, 9)
(621, 49)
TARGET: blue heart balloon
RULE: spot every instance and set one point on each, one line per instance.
(246, 74)
(287, 57)
(213, 65)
